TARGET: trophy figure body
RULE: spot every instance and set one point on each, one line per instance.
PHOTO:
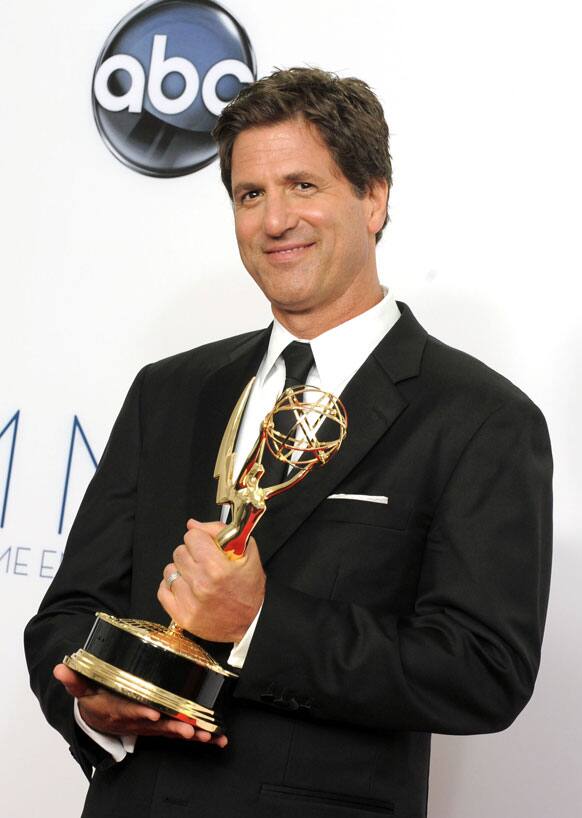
(161, 666)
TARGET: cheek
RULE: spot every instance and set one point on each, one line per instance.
(248, 250)
(318, 217)
(352, 228)
(337, 227)
(245, 230)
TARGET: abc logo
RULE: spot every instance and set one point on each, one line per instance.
(165, 74)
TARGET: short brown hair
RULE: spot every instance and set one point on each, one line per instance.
(346, 112)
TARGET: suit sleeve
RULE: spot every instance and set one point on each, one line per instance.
(466, 658)
(95, 574)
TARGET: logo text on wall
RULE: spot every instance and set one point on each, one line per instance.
(164, 75)
(38, 560)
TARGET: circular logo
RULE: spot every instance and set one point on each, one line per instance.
(164, 75)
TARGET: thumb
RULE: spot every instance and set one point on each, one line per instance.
(75, 684)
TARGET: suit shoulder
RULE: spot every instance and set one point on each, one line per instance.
(201, 360)
(461, 378)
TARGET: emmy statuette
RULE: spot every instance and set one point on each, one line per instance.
(161, 666)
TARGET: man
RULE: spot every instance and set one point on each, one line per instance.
(399, 591)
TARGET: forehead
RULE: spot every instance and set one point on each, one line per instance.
(281, 147)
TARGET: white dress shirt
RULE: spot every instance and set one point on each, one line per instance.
(338, 354)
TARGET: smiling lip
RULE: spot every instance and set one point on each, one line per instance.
(287, 251)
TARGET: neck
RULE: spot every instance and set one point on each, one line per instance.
(309, 324)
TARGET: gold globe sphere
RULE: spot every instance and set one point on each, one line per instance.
(313, 413)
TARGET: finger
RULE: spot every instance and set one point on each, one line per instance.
(183, 559)
(75, 684)
(176, 729)
(208, 738)
(173, 728)
(169, 569)
(109, 713)
(127, 709)
(178, 581)
(168, 601)
(202, 547)
(109, 705)
(211, 528)
(203, 735)
(180, 586)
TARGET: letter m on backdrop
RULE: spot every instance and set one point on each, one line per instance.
(76, 433)
(10, 432)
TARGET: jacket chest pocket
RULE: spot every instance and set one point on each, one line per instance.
(357, 551)
(378, 550)
(394, 510)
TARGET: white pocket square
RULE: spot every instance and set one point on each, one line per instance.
(366, 498)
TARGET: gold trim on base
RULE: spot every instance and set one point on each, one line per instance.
(168, 638)
(141, 691)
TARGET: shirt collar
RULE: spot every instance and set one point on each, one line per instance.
(340, 351)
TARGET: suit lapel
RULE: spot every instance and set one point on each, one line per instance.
(373, 403)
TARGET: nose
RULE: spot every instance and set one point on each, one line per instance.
(278, 215)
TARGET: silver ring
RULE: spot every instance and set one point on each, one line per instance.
(172, 578)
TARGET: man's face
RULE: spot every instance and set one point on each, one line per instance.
(303, 234)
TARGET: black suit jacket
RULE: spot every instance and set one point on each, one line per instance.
(381, 623)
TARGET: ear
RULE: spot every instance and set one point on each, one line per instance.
(378, 193)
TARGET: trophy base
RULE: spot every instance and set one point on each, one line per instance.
(153, 665)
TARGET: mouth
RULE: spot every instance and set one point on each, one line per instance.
(288, 252)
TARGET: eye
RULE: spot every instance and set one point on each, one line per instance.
(249, 195)
(304, 185)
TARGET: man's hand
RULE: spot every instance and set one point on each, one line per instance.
(213, 597)
(113, 715)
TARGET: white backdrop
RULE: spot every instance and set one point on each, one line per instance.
(104, 270)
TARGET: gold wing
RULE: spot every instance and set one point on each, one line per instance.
(223, 470)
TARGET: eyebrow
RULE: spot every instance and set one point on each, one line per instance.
(243, 187)
(293, 176)
(300, 175)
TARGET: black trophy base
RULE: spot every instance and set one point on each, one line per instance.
(155, 665)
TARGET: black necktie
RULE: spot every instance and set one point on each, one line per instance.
(298, 359)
